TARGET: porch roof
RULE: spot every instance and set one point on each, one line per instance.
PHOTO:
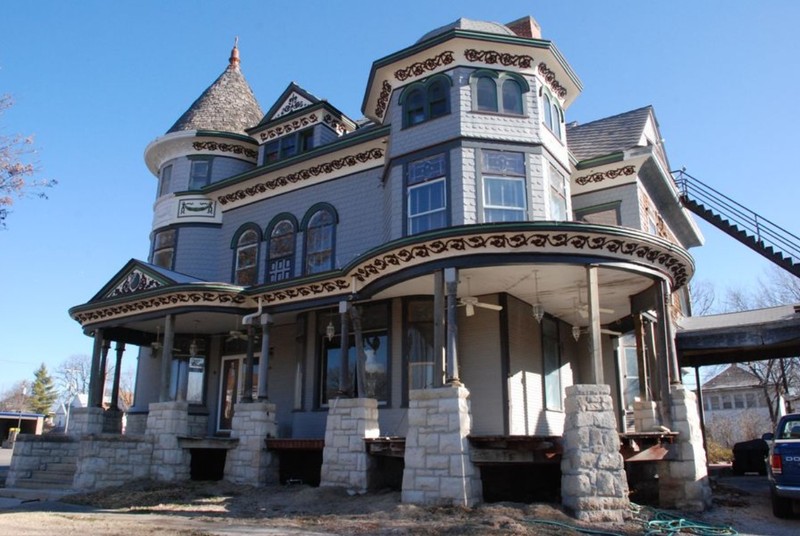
(754, 335)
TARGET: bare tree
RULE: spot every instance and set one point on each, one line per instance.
(703, 298)
(16, 398)
(73, 376)
(17, 173)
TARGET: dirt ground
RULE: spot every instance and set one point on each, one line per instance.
(215, 508)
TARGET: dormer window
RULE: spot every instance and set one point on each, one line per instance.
(423, 101)
(288, 146)
(498, 92)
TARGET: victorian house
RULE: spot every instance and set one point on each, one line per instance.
(425, 297)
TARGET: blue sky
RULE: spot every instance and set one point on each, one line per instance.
(97, 81)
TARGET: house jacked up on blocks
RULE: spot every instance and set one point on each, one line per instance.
(459, 287)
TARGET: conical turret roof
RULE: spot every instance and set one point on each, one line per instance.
(228, 105)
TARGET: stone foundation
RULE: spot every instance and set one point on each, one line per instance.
(593, 481)
(250, 462)
(86, 421)
(112, 421)
(345, 461)
(683, 481)
(166, 421)
(112, 460)
(136, 423)
(438, 469)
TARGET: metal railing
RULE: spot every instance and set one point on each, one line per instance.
(762, 230)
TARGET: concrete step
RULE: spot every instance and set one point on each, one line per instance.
(61, 467)
(29, 483)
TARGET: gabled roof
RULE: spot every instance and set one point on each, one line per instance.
(608, 135)
(732, 377)
(293, 98)
(228, 105)
(137, 276)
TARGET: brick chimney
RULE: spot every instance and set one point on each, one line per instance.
(526, 27)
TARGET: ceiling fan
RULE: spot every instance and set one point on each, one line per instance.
(234, 335)
(471, 302)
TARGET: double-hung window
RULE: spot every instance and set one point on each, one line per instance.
(166, 180)
(164, 248)
(427, 198)
(200, 174)
(503, 176)
(558, 194)
(290, 145)
(553, 116)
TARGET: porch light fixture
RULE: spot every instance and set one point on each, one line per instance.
(537, 308)
(330, 331)
(576, 333)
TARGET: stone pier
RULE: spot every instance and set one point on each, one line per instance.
(645, 416)
(250, 462)
(438, 469)
(86, 421)
(593, 481)
(683, 480)
(345, 461)
(166, 422)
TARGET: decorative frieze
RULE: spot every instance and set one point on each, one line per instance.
(225, 148)
(196, 208)
(491, 57)
(600, 176)
(302, 175)
(550, 78)
(335, 124)
(421, 67)
(383, 98)
(294, 102)
(137, 281)
(197, 298)
(288, 128)
(306, 291)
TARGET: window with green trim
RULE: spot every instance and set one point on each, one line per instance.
(498, 92)
(165, 183)
(164, 244)
(426, 194)
(503, 176)
(319, 242)
(553, 116)
(200, 174)
(281, 251)
(246, 269)
(423, 101)
(289, 145)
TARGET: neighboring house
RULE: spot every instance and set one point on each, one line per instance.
(735, 406)
(461, 235)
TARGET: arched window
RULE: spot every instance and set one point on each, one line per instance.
(426, 100)
(281, 251)
(319, 241)
(246, 259)
(512, 97)
(548, 120)
(553, 116)
(487, 94)
(498, 92)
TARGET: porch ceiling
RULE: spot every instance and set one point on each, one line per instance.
(561, 288)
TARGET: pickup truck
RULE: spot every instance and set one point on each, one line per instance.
(783, 464)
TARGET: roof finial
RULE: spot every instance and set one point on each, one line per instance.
(234, 59)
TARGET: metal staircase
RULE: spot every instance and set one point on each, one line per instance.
(751, 229)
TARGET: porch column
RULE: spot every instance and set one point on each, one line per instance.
(247, 395)
(120, 349)
(103, 371)
(361, 357)
(595, 348)
(666, 335)
(451, 288)
(263, 363)
(641, 362)
(166, 356)
(344, 365)
(95, 373)
(438, 328)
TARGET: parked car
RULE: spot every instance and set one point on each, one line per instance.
(750, 457)
(784, 464)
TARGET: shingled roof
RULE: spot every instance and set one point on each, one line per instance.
(608, 135)
(468, 24)
(732, 377)
(228, 105)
